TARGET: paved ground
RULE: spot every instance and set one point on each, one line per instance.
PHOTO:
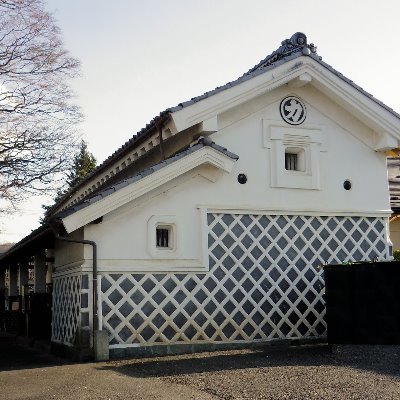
(318, 372)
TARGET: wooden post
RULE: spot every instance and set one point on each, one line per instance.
(2, 278)
(2, 288)
(40, 272)
(50, 265)
(13, 277)
(23, 276)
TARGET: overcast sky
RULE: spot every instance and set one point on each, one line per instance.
(141, 57)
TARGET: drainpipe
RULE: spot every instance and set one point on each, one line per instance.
(94, 278)
(100, 338)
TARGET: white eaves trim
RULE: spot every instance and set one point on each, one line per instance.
(309, 71)
(218, 103)
(205, 155)
(378, 118)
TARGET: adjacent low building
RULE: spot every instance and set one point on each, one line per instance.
(210, 225)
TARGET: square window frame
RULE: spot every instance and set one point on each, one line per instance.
(301, 157)
(170, 230)
(169, 222)
(277, 137)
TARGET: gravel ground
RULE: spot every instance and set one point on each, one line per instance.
(308, 372)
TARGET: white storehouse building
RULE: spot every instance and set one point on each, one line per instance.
(210, 225)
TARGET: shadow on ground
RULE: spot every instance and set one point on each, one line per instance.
(379, 359)
(14, 356)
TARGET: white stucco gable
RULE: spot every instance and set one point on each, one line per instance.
(293, 70)
(301, 69)
(205, 153)
(294, 65)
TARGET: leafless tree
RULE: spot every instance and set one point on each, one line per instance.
(37, 114)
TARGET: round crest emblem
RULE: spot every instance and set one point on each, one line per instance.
(293, 110)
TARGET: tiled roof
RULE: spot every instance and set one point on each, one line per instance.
(41, 237)
(290, 49)
(203, 142)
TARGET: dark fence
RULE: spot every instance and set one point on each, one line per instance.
(12, 322)
(363, 303)
(2, 300)
(28, 315)
(38, 315)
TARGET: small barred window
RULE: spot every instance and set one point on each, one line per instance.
(163, 237)
(295, 159)
(291, 162)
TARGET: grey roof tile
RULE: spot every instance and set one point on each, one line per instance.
(290, 49)
(78, 206)
(148, 171)
(95, 198)
(135, 178)
(118, 186)
(359, 88)
(158, 166)
(108, 191)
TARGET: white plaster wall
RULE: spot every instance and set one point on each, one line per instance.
(69, 253)
(122, 237)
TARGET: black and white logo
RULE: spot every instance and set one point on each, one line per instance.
(293, 110)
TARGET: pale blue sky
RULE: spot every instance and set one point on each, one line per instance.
(140, 57)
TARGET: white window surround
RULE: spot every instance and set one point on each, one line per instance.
(307, 141)
(169, 222)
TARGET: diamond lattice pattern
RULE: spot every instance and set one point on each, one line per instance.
(264, 282)
(66, 309)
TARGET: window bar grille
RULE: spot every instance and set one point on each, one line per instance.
(291, 161)
(162, 237)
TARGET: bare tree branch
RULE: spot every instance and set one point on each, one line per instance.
(37, 114)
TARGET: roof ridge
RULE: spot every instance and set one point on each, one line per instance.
(290, 49)
(296, 44)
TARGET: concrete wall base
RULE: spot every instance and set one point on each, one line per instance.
(101, 350)
(176, 349)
